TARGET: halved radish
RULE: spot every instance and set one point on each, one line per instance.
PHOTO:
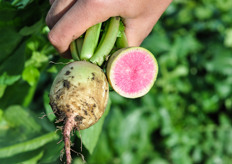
(132, 71)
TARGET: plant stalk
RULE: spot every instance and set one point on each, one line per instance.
(73, 49)
(90, 42)
(121, 41)
(107, 41)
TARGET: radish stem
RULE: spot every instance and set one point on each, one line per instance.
(90, 42)
(107, 41)
(73, 50)
(79, 43)
(122, 42)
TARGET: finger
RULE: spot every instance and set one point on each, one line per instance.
(57, 10)
(82, 15)
(51, 2)
(137, 29)
(67, 54)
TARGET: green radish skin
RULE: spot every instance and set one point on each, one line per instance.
(132, 71)
(78, 97)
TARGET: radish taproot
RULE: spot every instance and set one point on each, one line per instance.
(78, 97)
(132, 71)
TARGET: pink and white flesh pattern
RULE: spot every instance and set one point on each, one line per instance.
(132, 71)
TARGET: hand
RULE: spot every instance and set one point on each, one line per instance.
(68, 19)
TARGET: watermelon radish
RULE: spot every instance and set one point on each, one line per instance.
(132, 71)
(78, 97)
(80, 91)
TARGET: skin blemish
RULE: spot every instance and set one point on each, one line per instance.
(93, 76)
(93, 113)
(67, 72)
(85, 111)
(73, 37)
(66, 84)
(78, 118)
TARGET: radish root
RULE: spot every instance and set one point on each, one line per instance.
(66, 133)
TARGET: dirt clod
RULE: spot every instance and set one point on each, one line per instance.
(67, 72)
(66, 84)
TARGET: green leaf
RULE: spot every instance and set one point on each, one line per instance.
(2, 89)
(37, 58)
(52, 152)
(28, 145)
(121, 29)
(156, 43)
(52, 69)
(220, 63)
(31, 157)
(49, 112)
(8, 15)
(21, 3)
(90, 136)
(228, 37)
(16, 59)
(34, 159)
(8, 80)
(102, 147)
(9, 40)
(1, 115)
(20, 88)
(20, 123)
(31, 75)
(28, 30)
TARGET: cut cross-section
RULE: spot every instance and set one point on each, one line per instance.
(132, 71)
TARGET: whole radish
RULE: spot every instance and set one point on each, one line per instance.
(78, 97)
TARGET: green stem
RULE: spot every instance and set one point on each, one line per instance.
(90, 42)
(107, 41)
(73, 50)
(122, 42)
(79, 43)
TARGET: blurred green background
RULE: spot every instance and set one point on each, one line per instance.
(184, 119)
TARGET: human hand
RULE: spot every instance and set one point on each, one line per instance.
(69, 19)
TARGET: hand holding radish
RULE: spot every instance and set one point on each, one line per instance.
(98, 40)
(68, 19)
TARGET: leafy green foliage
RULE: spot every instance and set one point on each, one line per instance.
(185, 118)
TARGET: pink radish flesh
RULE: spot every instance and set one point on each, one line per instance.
(132, 71)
